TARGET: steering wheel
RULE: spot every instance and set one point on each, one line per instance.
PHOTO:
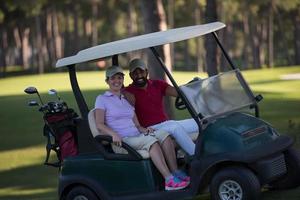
(179, 104)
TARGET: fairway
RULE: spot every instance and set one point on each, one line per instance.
(22, 147)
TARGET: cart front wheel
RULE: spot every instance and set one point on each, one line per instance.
(235, 183)
(81, 193)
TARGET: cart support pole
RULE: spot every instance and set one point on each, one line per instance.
(232, 65)
(77, 93)
(115, 60)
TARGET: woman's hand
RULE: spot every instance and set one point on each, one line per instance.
(146, 131)
(117, 140)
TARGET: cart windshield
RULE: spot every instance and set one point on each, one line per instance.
(218, 95)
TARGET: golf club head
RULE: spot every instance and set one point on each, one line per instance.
(30, 90)
(33, 103)
(52, 92)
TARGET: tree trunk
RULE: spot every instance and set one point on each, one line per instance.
(132, 28)
(210, 43)
(297, 36)
(255, 47)
(132, 19)
(76, 39)
(87, 27)
(280, 22)
(112, 20)
(94, 22)
(17, 38)
(200, 51)
(57, 37)
(270, 61)
(246, 48)
(67, 34)
(25, 48)
(187, 60)
(50, 44)
(263, 42)
(39, 46)
(3, 51)
(171, 6)
(155, 20)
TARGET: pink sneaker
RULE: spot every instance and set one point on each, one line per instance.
(185, 178)
(182, 176)
(175, 184)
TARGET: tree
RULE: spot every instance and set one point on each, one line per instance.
(297, 34)
(95, 11)
(210, 44)
(155, 20)
(3, 53)
(36, 33)
(199, 43)
(270, 34)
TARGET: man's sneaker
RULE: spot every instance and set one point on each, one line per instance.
(182, 176)
(174, 183)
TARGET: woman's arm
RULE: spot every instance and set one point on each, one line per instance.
(144, 130)
(99, 115)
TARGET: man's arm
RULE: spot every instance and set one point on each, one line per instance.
(171, 91)
(129, 97)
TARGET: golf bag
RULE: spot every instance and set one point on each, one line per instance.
(60, 131)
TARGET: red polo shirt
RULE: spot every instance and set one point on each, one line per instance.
(149, 105)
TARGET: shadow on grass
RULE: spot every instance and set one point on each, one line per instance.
(292, 194)
(31, 182)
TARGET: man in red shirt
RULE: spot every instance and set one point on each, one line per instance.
(147, 97)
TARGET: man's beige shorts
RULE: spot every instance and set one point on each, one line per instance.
(144, 142)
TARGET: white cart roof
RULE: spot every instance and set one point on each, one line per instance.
(139, 42)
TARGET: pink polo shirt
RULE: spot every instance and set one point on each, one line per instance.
(118, 114)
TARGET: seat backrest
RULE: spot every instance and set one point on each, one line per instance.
(95, 131)
(92, 123)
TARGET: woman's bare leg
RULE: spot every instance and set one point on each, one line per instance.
(168, 148)
(158, 159)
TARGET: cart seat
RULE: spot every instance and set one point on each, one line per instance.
(95, 131)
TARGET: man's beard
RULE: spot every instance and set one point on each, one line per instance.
(141, 82)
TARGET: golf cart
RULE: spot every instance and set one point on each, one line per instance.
(236, 153)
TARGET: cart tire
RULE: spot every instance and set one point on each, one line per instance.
(292, 178)
(81, 193)
(235, 183)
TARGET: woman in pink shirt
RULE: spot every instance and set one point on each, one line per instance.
(116, 117)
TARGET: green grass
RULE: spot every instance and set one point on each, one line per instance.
(22, 173)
